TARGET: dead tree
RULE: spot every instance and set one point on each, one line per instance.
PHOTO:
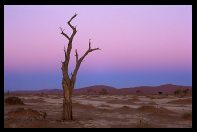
(68, 82)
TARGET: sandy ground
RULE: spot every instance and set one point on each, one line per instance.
(107, 111)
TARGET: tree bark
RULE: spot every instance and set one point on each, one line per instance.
(67, 110)
(67, 101)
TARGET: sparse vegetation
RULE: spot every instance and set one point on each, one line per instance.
(103, 92)
(14, 101)
(181, 92)
(89, 91)
(139, 92)
(186, 91)
(177, 92)
(26, 114)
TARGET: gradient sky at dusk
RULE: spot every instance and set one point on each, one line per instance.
(141, 45)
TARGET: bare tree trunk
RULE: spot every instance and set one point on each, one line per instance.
(67, 110)
(67, 102)
(68, 83)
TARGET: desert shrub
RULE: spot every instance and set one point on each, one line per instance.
(186, 91)
(138, 91)
(103, 92)
(177, 91)
(26, 114)
(181, 92)
(89, 91)
(14, 101)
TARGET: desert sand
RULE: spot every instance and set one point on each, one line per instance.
(103, 111)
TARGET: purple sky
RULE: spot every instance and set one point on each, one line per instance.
(141, 45)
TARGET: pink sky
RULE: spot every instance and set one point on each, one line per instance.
(133, 37)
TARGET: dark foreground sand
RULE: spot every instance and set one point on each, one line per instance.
(105, 111)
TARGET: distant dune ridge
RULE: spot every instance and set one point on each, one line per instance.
(103, 89)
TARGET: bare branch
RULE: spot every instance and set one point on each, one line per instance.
(74, 28)
(70, 39)
(62, 32)
(78, 61)
(88, 51)
(89, 44)
(65, 53)
(69, 48)
(76, 56)
(94, 49)
(62, 29)
(72, 17)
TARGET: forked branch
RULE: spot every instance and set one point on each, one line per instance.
(78, 61)
(62, 32)
(70, 39)
(76, 54)
(87, 52)
(74, 28)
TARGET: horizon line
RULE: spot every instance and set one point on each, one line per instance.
(100, 85)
